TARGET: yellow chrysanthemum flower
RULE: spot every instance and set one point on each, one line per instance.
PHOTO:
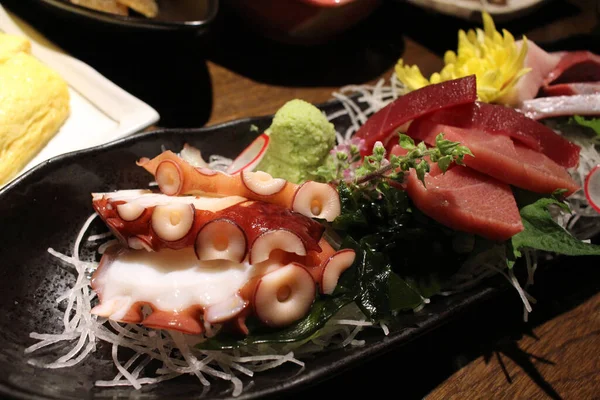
(493, 58)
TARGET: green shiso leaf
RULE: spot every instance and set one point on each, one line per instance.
(593, 123)
(541, 232)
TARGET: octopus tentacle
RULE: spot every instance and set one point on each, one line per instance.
(175, 176)
(176, 223)
(195, 261)
(278, 295)
(187, 321)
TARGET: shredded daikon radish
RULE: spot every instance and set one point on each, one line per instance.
(100, 236)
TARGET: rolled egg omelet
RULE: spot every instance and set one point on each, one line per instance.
(34, 104)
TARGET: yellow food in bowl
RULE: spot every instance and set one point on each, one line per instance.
(34, 104)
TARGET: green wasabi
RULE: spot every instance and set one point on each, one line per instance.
(300, 141)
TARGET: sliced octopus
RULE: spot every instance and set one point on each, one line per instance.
(188, 261)
(216, 227)
(175, 177)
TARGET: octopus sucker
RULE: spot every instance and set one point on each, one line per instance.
(130, 211)
(261, 183)
(270, 241)
(317, 200)
(333, 269)
(312, 199)
(221, 239)
(284, 296)
(213, 249)
(173, 222)
(169, 178)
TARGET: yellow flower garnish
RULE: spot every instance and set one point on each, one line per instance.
(493, 58)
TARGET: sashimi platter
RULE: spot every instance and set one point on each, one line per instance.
(229, 265)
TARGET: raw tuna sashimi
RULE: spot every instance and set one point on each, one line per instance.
(498, 156)
(468, 201)
(382, 125)
(501, 120)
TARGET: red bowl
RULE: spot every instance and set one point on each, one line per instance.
(303, 21)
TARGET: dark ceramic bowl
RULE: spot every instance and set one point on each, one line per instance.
(173, 15)
(303, 21)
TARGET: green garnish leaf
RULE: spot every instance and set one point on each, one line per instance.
(406, 142)
(444, 163)
(593, 123)
(422, 168)
(542, 233)
(403, 296)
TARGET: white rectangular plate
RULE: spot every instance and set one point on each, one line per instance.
(100, 110)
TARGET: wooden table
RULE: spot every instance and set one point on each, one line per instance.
(486, 353)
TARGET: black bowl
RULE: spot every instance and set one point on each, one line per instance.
(174, 15)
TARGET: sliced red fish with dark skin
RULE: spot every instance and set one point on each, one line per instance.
(500, 120)
(467, 201)
(499, 157)
(573, 67)
(382, 125)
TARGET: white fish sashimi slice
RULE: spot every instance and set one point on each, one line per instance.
(528, 86)
(560, 106)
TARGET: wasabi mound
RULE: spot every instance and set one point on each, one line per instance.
(301, 138)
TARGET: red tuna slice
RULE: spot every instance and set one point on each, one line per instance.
(468, 201)
(577, 72)
(501, 120)
(498, 156)
(381, 126)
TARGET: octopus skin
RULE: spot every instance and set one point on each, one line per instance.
(228, 227)
(175, 177)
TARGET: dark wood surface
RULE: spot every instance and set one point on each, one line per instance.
(231, 73)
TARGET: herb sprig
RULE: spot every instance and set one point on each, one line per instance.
(345, 165)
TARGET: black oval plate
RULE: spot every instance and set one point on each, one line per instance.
(46, 208)
(173, 15)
